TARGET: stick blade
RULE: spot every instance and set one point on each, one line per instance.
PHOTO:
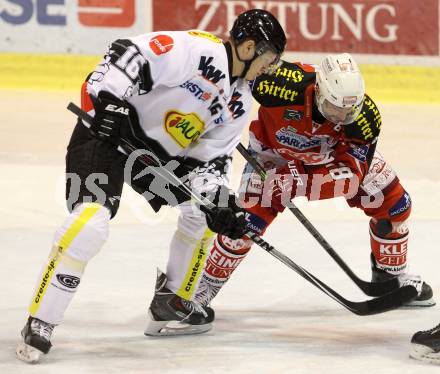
(387, 302)
(380, 288)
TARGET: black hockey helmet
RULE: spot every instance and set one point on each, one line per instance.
(262, 27)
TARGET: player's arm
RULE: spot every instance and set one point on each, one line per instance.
(133, 65)
(342, 176)
(354, 153)
(140, 64)
(353, 156)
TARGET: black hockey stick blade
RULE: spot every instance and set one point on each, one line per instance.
(381, 304)
(388, 301)
(369, 288)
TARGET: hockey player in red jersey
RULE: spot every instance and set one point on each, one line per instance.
(316, 135)
(183, 97)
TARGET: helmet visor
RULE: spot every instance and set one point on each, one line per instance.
(339, 115)
(271, 58)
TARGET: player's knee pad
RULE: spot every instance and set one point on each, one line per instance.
(84, 231)
(192, 221)
(400, 209)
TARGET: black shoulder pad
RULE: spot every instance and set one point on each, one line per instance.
(284, 87)
(366, 127)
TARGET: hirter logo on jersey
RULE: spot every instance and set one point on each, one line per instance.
(161, 44)
(183, 128)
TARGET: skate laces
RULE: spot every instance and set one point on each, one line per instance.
(194, 307)
(406, 279)
(41, 328)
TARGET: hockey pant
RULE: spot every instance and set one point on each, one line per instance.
(380, 196)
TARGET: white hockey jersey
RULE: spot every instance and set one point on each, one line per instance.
(179, 83)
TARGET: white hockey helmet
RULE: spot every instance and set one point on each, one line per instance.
(340, 88)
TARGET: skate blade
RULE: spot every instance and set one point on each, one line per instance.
(419, 304)
(174, 328)
(425, 354)
(28, 353)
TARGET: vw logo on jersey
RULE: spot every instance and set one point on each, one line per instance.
(289, 137)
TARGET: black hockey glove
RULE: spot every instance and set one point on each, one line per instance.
(111, 114)
(229, 220)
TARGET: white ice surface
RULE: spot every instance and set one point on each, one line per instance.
(269, 320)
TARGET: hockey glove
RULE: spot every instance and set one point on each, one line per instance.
(226, 220)
(111, 114)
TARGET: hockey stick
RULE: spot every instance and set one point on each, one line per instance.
(374, 306)
(369, 288)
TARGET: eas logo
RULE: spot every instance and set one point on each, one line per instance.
(94, 13)
(183, 128)
(161, 44)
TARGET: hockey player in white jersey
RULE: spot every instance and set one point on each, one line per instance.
(184, 98)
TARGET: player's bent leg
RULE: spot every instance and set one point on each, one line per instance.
(382, 197)
(173, 310)
(425, 345)
(79, 239)
(389, 210)
(389, 245)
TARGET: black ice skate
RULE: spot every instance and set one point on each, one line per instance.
(36, 340)
(425, 296)
(169, 314)
(425, 345)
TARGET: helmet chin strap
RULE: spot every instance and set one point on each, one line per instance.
(247, 63)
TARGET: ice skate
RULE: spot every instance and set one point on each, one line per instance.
(36, 340)
(425, 296)
(169, 314)
(425, 345)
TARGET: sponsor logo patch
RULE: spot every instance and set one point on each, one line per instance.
(307, 157)
(401, 206)
(206, 35)
(209, 71)
(292, 114)
(255, 223)
(68, 281)
(270, 88)
(197, 91)
(294, 75)
(287, 136)
(359, 153)
(184, 128)
(161, 44)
